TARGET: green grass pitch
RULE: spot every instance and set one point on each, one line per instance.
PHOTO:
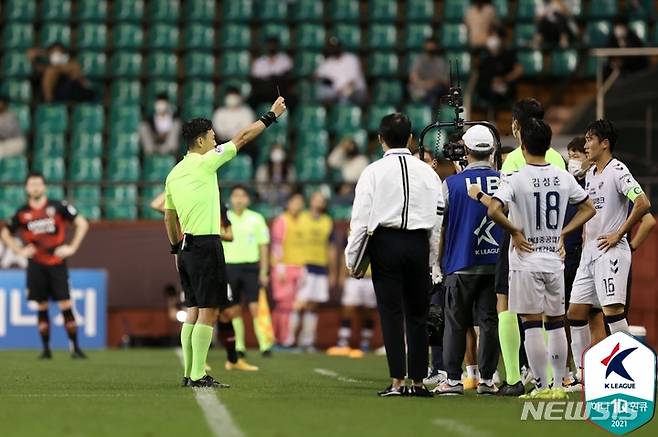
(135, 393)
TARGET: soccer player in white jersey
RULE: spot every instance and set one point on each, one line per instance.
(602, 276)
(537, 197)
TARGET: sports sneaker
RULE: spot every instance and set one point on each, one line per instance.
(185, 382)
(208, 382)
(240, 365)
(445, 388)
(435, 377)
(356, 353)
(380, 351)
(511, 390)
(392, 391)
(78, 354)
(486, 389)
(574, 386)
(470, 383)
(537, 393)
(339, 351)
(266, 353)
(559, 393)
(46, 355)
(419, 391)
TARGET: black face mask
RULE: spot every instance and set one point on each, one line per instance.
(433, 52)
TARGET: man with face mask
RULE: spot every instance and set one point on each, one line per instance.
(340, 77)
(499, 70)
(269, 71)
(346, 158)
(232, 116)
(160, 133)
(429, 76)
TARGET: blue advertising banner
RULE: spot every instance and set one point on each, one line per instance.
(18, 317)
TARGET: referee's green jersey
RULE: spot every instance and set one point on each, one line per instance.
(249, 233)
(192, 190)
(515, 160)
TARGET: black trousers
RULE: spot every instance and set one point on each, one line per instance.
(401, 276)
(469, 297)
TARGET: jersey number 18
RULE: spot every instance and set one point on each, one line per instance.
(552, 205)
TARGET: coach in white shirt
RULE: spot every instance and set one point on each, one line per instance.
(399, 204)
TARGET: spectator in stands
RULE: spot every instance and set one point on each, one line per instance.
(480, 19)
(160, 133)
(346, 158)
(12, 141)
(344, 195)
(339, 76)
(275, 177)
(429, 76)
(58, 76)
(498, 72)
(233, 116)
(553, 24)
(625, 37)
(269, 71)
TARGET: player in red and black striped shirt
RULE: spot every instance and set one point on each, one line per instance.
(41, 226)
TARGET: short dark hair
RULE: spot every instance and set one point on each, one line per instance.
(479, 155)
(240, 187)
(527, 108)
(577, 144)
(536, 136)
(58, 44)
(233, 90)
(604, 130)
(35, 174)
(162, 96)
(192, 129)
(395, 130)
(506, 150)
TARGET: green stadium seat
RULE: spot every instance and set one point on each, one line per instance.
(87, 145)
(88, 118)
(454, 36)
(86, 169)
(120, 202)
(123, 143)
(340, 212)
(591, 64)
(383, 64)
(238, 169)
(147, 194)
(199, 11)
(93, 64)
(87, 199)
(598, 33)
(17, 90)
(56, 191)
(126, 64)
(123, 169)
(309, 117)
(599, 9)
(243, 85)
(360, 137)
(91, 11)
(199, 64)
(345, 10)
(502, 9)
(375, 115)
(310, 36)
(280, 31)
(416, 34)
(128, 10)
(532, 62)
(463, 59)
(19, 11)
(199, 36)
(125, 92)
(419, 11)
(162, 65)
(308, 10)
(157, 167)
(125, 118)
(49, 144)
(307, 91)
(526, 10)
(387, 92)
(268, 210)
(51, 118)
(312, 144)
(564, 62)
(272, 10)
(454, 11)
(382, 36)
(13, 169)
(23, 114)
(420, 116)
(90, 212)
(235, 64)
(311, 169)
(56, 10)
(198, 109)
(382, 10)
(91, 36)
(52, 168)
(18, 36)
(55, 32)
(163, 10)
(349, 35)
(642, 10)
(235, 36)
(155, 87)
(524, 34)
(127, 36)
(272, 135)
(11, 197)
(198, 92)
(162, 36)
(306, 63)
(238, 11)
(16, 64)
(640, 28)
(345, 117)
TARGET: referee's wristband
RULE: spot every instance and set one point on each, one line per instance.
(479, 196)
(175, 248)
(268, 119)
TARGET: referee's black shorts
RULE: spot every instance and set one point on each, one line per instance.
(502, 267)
(202, 271)
(243, 279)
(45, 282)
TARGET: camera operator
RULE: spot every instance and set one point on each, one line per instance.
(471, 246)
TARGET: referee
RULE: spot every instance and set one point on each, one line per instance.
(192, 207)
(397, 212)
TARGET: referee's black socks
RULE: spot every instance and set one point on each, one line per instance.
(71, 328)
(226, 336)
(44, 328)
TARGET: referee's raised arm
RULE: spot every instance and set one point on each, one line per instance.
(250, 132)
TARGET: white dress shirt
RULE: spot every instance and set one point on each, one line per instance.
(397, 191)
(342, 71)
(267, 66)
(228, 121)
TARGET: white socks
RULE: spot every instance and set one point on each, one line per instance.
(309, 326)
(617, 325)
(537, 355)
(293, 325)
(557, 351)
(580, 340)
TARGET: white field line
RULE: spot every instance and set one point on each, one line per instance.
(331, 374)
(457, 428)
(219, 419)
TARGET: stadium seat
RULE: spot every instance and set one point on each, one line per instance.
(387, 91)
(125, 91)
(344, 117)
(196, 110)
(56, 191)
(123, 169)
(349, 35)
(305, 63)
(15, 64)
(461, 59)
(163, 10)
(87, 199)
(383, 64)
(198, 92)
(310, 36)
(56, 10)
(311, 169)
(525, 10)
(419, 11)
(272, 10)
(235, 36)
(128, 10)
(18, 36)
(199, 64)
(86, 169)
(532, 62)
(375, 114)
(87, 145)
(13, 169)
(91, 36)
(642, 10)
(312, 144)
(239, 169)
(598, 33)
(147, 194)
(123, 143)
(310, 117)
(155, 87)
(91, 11)
(242, 85)
(120, 202)
(640, 28)
(23, 114)
(127, 36)
(235, 64)
(162, 64)
(382, 10)
(52, 168)
(157, 167)
(502, 9)
(564, 62)
(420, 116)
(416, 34)
(238, 11)
(12, 195)
(199, 11)
(454, 36)
(308, 10)
(17, 90)
(199, 36)
(49, 144)
(51, 118)
(524, 34)
(88, 118)
(19, 11)
(454, 11)
(280, 31)
(273, 135)
(162, 36)
(345, 10)
(125, 118)
(126, 64)
(307, 91)
(599, 9)
(93, 64)
(55, 32)
(382, 36)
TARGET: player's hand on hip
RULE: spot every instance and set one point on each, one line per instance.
(279, 106)
(28, 251)
(561, 250)
(605, 242)
(64, 251)
(520, 243)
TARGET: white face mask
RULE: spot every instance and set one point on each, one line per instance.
(620, 32)
(58, 58)
(278, 156)
(232, 100)
(161, 107)
(493, 43)
(575, 168)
